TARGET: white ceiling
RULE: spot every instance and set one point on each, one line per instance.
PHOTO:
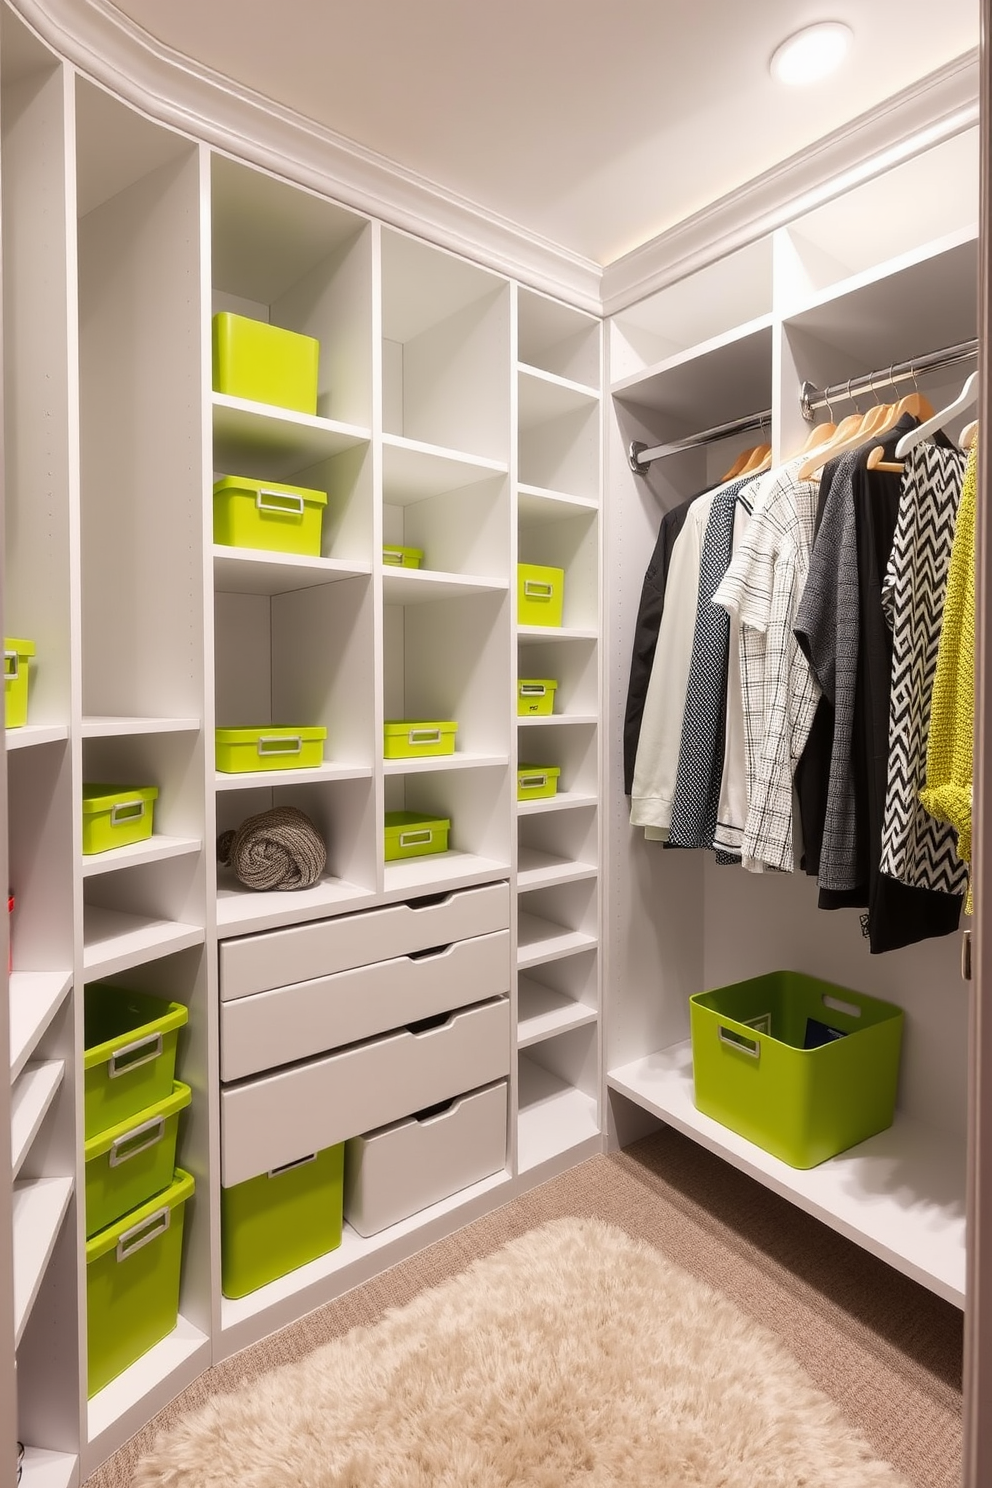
(596, 124)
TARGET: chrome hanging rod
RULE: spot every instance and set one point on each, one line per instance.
(811, 398)
(640, 456)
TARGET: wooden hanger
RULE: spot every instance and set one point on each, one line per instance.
(934, 421)
(851, 432)
(738, 464)
(758, 456)
(914, 404)
(877, 461)
(817, 436)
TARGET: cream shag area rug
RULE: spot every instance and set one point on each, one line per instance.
(573, 1356)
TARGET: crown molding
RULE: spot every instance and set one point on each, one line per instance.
(941, 105)
(109, 49)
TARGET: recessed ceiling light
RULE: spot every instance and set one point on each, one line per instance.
(811, 54)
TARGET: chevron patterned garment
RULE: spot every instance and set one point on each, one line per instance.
(916, 848)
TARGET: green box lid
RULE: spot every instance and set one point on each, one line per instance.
(396, 821)
(269, 730)
(403, 725)
(229, 483)
(23, 648)
(104, 797)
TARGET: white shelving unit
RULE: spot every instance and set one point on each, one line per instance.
(818, 300)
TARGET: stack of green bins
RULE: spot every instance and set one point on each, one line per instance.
(135, 1195)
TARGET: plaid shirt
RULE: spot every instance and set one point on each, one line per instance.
(763, 586)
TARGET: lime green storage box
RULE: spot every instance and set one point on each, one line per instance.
(537, 782)
(535, 697)
(265, 515)
(132, 1283)
(800, 1067)
(540, 594)
(271, 1224)
(117, 815)
(270, 748)
(129, 1053)
(131, 1162)
(409, 834)
(395, 557)
(16, 665)
(265, 363)
(409, 739)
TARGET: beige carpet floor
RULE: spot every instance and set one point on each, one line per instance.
(886, 1351)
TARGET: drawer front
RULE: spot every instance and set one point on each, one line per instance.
(401, 1169)
(301, 953)
(283, 1116)
(291, 1023)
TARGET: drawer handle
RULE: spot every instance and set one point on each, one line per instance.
(416, 839)
(279, 502)
(132, 1056)
(279, 744)
(149, 1134)
(424, 736)
(11, 665)
(532, 689)
(126, 811)
(738, 1041)
(533, 782)
(298, 1162)
(430, 901)
(430, 954)
(534, 589)
(144, 1233)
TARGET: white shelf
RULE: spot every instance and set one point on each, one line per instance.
(36, 733)
(556, 633)
(40, 1205)
(900, 1195)
(408, 586)
(251, 571)
(540, 940)
(42, 1469)
(275, 442)
(553, 1116)
(723, 378)
(543, 397)
(241, 911)
(412, 470)
(536, 505)
(114, 941)
(145, 1377)
(457, 761)
(541, 870)
(253, 779)
(542, 1012)
(152, 850)
(96, 727)
(557, 720)
(30, 1101)
(562, 801)
(447, 870)
(35, 997)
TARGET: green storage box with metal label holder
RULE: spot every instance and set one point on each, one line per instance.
(117, 815)
(410, 834)
(409, 739)
(129, 1053)
(540, 594)
(273, 747)
(130, 1162)
(537, 782)
(16, 673)
(535, 697)
(800, 1067)
(274, 1223)
(264, 363)
(268, 516)
(394, 556)
(133, 1270)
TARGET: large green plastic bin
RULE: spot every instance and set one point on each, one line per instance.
(264, 363)
(17, 657)
(129, 1053)
(753, 1073)
(132, 1283)
(133, 1161)
(268, 515)
(277, 1221)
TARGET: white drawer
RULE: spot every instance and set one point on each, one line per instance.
(291, 1023)
(279, 1117)
(302, 952)
(393, 1173)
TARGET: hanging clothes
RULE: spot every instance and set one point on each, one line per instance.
(916, 848)
(947, 794)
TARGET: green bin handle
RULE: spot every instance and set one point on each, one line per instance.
(415, 839)
(122, 1061)
(280, 502)
(738, 1041)
(143, 1233)
(126, 811)
(279, 744)
(535, 589)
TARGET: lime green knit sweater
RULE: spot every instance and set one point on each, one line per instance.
(950, 746)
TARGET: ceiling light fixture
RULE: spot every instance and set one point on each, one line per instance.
(811, 54)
